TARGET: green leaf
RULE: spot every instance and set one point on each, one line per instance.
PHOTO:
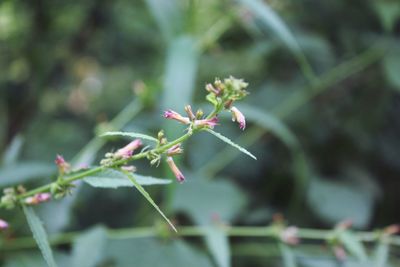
(230, 142)
(353, 244)
(130, 134)
(13, 150)
(194, 197)
(218, 244)
(154, 252)
(148, 198)
(24, 171)
(88, 249)
(289, 259)
(337, 201)
(381, 254)
(114, 179)
(388, 12)
(40, 236)
(270, 19)
(391, 65)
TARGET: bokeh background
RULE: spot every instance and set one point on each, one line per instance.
(322, 119)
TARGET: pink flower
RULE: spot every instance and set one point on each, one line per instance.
(170, 114)
(38, 198)
(128, 150)
(3, 224)
(178, 174)
(207, 122)
(239, 117)
(290, 235)
(175, 150)
(63, 166)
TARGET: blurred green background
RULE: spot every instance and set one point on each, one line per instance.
(323, 121)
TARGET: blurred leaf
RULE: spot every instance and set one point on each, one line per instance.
(168, 16)
(218, 244)
(113, 179)
(288, 257)
(273, 21)
(202, 200)
(389, 13)
(229, 142)
(25, 171)
(88, 249)
(146, 252)
(381, 254)
(353, 244)
(335, 201)
(13, 150)
(39, 235)
(32, 259)
(148, 198)
(130, 134)
(391, 64)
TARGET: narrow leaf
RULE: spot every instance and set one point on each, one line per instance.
(218, 244)
(40, 236)
(230, 142)
(107, 182)
(130, 134)
(288, 257)
(13, 150)
(88, 248)
(148, 197)
(353, 245)
(381, 254)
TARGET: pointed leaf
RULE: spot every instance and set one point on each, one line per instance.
(218, 244)
(353, 245)
(381, 254)
(148, 197)
(130, 134)
(230, 142)
(289, 259)
(88, 249)
(40, 236)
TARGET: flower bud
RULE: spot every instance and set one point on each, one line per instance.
(170, 114)
(189, 111)
(3, 224)
(207, 122)
(210, 88)
(129, 168)
(178, 174)
(175, 150)
(290, 235)
(63, 166)
(128, 150)
(38, 198)
(239, 117)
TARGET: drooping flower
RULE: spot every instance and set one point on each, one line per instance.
(239, 117)
(178, 174)
(62, 164)
(128, 150)
(207, 122)
(170, 114)
(175, 150)
(38, 198)
(3, 224)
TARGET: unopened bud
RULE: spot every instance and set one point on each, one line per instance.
(170, 114)
(38, 198)
(175, 150)
(290, 235)
(207, 122)
(63, 166)
(128, 150)
(189, 111)
(178, 174)
(239, 117)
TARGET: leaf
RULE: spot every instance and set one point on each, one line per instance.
(24, 171)
(113, 179)
(270, 19)
(381, 254)
(148, 198)
(289, 259)
(352, 243)
(230, 142)
(154, 252)
(218, 244)
(194, 197)
(13, 150)
(336, 201)
(88, 249)
(388, 12)
(391, 65)
(40, 236)
(130, 134)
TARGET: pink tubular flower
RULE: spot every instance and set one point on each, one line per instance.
(239, 117)
(3, 224)
(207, 122)
(62, 165)
(127, 150)
(170, 114)
(178, 174)
(38, 198)
(175, 150)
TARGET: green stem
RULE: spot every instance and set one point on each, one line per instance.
(194, 231)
